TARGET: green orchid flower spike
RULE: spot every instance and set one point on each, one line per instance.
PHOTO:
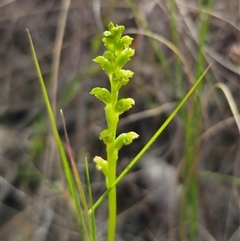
(112, 61)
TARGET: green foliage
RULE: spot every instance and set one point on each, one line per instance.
(112, 61)
(192, 122)
(75, 189)
(118, 53)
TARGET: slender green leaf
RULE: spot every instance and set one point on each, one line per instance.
(65, 164)
(150, 142)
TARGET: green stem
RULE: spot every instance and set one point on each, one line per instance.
(112, 200)
(112, 156)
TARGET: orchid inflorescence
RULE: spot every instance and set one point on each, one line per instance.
(118, 53)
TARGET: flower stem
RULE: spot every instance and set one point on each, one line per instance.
(112, 201)
(112, 156)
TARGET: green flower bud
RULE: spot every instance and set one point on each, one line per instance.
(110, 26)
(130, 136)
(102, 94)
(107, 136)
(118, 47)
(124, 105)
(109, 43)
(113, 36)
(124, 57)
(126, 41)
(117, 32)
(125, 139)
(101, 164)
(123, 43)
(109, 55)
(107, 33)
(121, 77)
(104, 63)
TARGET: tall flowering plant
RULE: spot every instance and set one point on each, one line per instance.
(112, 61)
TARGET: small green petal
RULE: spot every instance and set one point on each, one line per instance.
(126, 40)
(125, 139)
(99, 59)
(121, 77)
(124, 57)
(130, 136)
(124, 105)
(107, 34)
(102, 94)
(107, 136)
(101, 164)
(104, 63)
(109, 55)
(110, 26)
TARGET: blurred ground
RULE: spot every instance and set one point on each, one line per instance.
(35, 203)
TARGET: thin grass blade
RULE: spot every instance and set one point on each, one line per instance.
(151, 141)
(65, 165)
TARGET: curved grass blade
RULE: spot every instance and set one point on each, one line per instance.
(92, 216)
(65, 164)
(86, 223)
(150, 142)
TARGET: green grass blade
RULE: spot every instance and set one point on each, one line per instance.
(203, 30)
(190, 172)
(85, 219)
(178, 68)
(65, 164)
(92, 216)
(150, 142)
